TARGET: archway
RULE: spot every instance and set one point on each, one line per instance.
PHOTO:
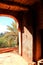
(12, 17)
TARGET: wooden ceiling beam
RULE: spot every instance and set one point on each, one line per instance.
(26, 2)
(12, 7)
(15, 3)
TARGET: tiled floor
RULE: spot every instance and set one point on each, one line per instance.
(11, 58)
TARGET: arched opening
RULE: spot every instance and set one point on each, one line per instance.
(9, 34)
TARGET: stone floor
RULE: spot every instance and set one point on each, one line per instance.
(11, 58)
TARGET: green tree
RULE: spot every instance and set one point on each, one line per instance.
(12, 37)
(13, 28)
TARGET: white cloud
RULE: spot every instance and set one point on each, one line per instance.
(3, 28)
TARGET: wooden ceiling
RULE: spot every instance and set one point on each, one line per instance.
(12, 7)
(16, 5)
(24, 1)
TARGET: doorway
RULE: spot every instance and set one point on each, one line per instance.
(9, 39)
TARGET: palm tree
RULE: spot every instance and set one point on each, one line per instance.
(12, 36)
(10, 39)
(13, 28)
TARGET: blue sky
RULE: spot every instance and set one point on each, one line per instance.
(4, 21)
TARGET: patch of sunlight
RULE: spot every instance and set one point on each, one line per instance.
(12, 59)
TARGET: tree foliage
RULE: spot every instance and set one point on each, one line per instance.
(10, 39)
